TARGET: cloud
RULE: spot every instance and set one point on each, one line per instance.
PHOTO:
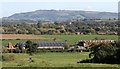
(90, 8)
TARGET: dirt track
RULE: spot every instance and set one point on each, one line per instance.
(20, 36)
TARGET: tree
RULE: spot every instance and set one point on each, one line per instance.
(39, 24)
(118, 56)
(66, 46)
(31, 48)
(103, 53)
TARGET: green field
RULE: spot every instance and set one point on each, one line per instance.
(57, 59)
(71, 39)
(53, 60)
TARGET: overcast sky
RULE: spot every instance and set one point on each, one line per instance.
(9, 7)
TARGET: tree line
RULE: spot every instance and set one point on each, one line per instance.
(85, 26)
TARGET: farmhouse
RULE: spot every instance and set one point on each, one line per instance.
(44, 45)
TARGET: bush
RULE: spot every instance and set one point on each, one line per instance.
(4, 50)
(66, 46)
(103, 53)
(8, 57)
(17, 50)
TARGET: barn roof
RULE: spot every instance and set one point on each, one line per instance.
(51, 44)
(43, 44)
(22, 44)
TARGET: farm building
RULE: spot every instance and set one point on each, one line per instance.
(77, 48)
(88, 43)
(51, 45)
(10, 46)
(21, 45)
(44, 45)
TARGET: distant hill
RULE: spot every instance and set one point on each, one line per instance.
(7, 21)
(62, 15)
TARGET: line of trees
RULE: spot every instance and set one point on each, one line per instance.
(66, 27)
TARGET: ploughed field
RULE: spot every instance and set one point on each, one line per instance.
(53, 59)
(20, 36)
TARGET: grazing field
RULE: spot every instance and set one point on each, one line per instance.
(53, 60)
(71, 39)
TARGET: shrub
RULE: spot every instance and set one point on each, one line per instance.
(17, 50)
(8, 57)
(66, 46)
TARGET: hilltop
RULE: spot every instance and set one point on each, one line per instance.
(62, 15)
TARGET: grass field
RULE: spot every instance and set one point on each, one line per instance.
(53, 60)
(71, 39)
(57, 59)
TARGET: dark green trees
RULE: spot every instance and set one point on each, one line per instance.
(118, 56)
(30, 47)
(104, 53)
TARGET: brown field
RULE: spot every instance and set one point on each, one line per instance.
(20, 36)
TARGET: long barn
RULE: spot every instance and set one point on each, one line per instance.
(88, 43)
(45, 45)
(51, 45)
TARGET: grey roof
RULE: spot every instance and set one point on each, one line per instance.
(51, 44)
(21, 44)
(43, 44)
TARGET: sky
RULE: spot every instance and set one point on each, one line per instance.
(10, 7)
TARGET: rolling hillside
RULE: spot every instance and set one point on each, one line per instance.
(62, 15)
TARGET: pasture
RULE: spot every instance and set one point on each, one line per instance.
(56, 59)
(53, 59)
(71, 39)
